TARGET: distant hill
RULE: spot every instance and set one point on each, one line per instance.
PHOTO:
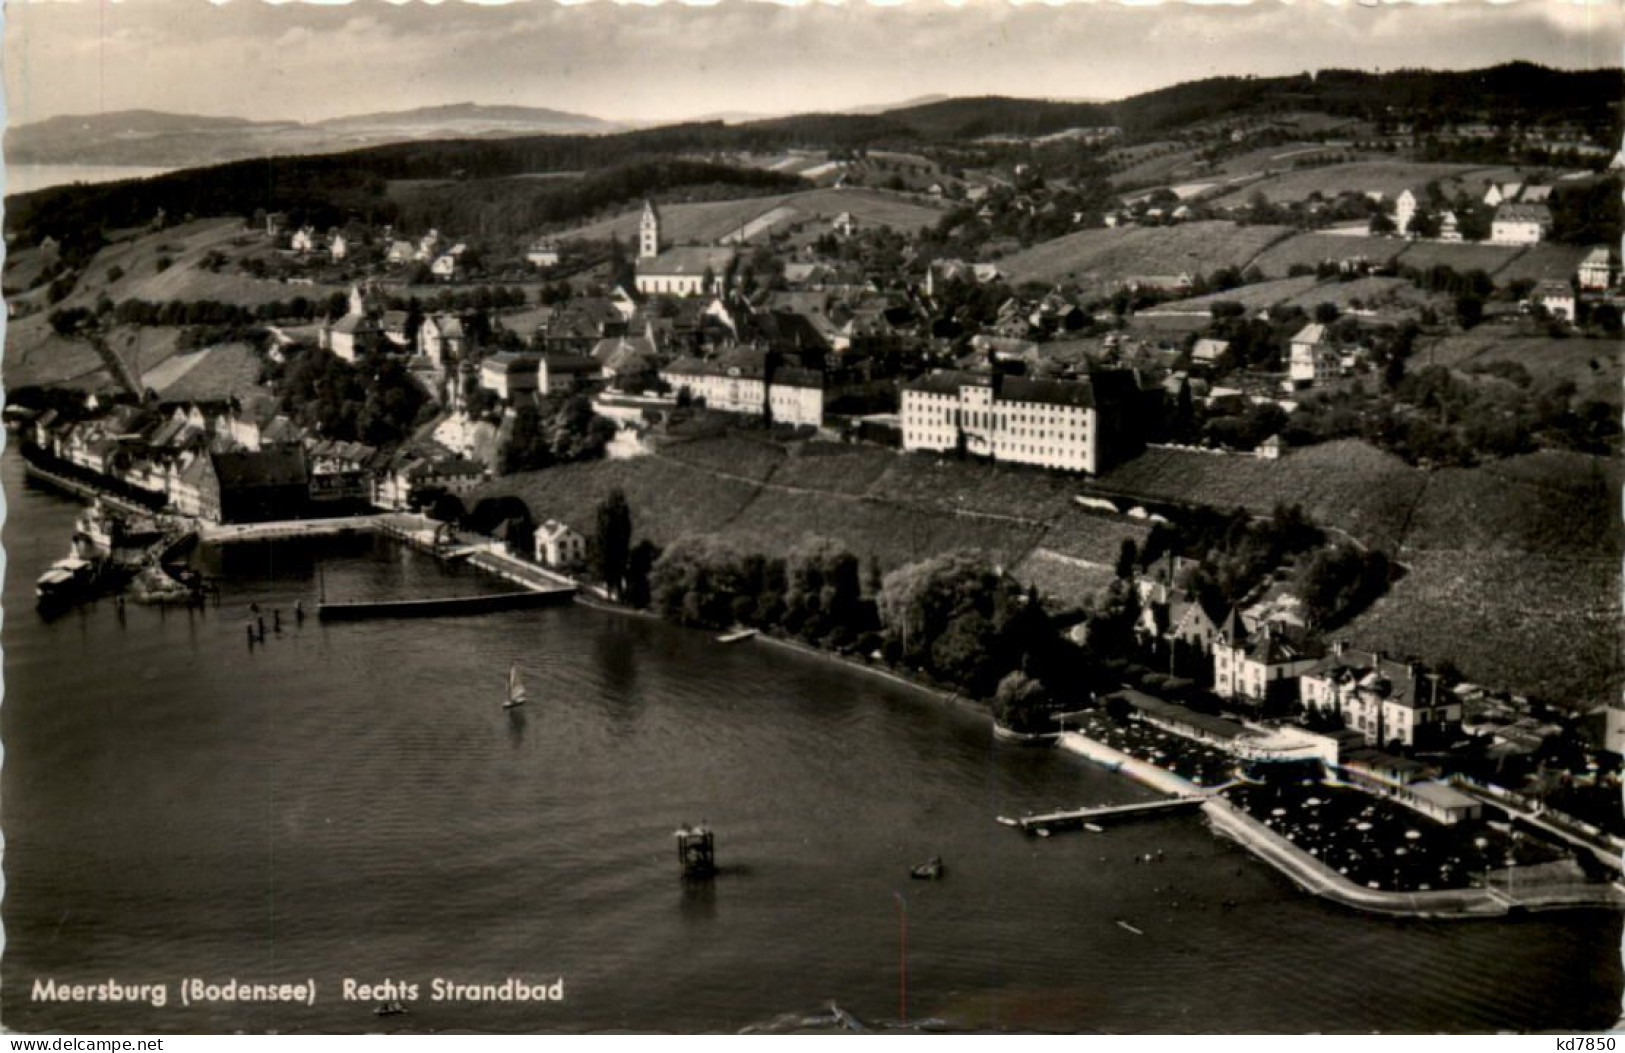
(998, 115)
(470, 118)
(173, 140)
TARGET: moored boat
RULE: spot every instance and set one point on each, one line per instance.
(66, 581)
(930, 870)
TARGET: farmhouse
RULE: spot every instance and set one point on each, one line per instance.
(688, 271)
(1079, 426)
(1520, 224)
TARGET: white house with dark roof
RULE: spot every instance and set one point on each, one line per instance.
(1520, 224)
(1260, 667)
(1383, 699)
(559, 547)
(1558, 299)
(1597, 270)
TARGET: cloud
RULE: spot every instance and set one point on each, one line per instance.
(648, 60)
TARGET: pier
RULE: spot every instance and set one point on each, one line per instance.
(444, 606)
(1079, 816)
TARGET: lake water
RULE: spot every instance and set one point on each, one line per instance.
(20, 179)
(350, 800)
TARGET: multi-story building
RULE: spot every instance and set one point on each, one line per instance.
(1258, 668)
(1385, 700)
(1312, 360)
(1074, 425)
(750, 384)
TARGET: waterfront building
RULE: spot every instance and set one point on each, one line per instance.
(559, 547)
(1073, 425)
(1260, 668)
(1386, 700)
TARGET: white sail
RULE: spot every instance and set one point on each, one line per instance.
(516, 687)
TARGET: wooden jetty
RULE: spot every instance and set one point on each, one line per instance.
(1079, 816)
(443, 606)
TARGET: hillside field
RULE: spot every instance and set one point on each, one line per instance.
(711, 221)
(1388, 178)
(1105, 255)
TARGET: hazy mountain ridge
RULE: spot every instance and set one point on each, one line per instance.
(147, 137)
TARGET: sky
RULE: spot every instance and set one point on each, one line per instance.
(647, 61)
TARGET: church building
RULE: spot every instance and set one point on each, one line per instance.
(680, 271)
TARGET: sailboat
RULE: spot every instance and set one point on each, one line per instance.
(516, 688)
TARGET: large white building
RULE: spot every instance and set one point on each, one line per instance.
(1074, 425)
(747, 384)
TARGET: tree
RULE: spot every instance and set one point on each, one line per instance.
(1020, 703)
(1127, 557)
(639, 563)
(614, 537)
(1469, 310)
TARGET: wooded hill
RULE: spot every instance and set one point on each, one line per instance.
(355, 182)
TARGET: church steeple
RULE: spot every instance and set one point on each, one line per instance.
(649, 231)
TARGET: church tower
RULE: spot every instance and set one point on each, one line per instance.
(649, 232)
